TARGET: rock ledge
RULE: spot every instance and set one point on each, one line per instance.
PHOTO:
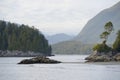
(103, 57)
(39, 60)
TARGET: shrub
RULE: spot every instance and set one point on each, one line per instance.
(116, 45)
(102, 48)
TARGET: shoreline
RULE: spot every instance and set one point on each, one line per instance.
(17, 53)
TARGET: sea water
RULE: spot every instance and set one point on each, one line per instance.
(72, 68)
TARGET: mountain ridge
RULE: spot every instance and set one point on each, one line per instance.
(94, 27)
(53, 39)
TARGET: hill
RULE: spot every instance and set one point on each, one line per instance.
(58, 38)
(83, 42)
(14, 37)
(95, 26)
(71, 47)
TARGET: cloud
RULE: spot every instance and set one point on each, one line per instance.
(53, 16)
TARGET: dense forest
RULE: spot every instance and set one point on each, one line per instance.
(23, 38)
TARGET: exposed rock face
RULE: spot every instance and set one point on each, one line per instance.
(99, 57)
(102, 57)
(117, 57)
(39, 60)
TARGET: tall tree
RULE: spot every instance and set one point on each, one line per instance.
(108, 29)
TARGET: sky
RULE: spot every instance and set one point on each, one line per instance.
(53, 16)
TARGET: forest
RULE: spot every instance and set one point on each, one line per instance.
(23, 38)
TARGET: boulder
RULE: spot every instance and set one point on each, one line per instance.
(38, 60)
(117, 57)
(99, 57)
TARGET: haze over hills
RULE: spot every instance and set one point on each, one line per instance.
(95, 26)
(89, 36)
(53, 39)
(71, 47)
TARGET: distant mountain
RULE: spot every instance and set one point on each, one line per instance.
(95, 26)
(84, 41)
(71, 47)
(58, 38)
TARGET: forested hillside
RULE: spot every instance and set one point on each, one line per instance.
(22, 38)
(71, 47)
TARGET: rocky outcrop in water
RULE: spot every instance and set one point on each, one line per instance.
(39, 60)
(103, 57)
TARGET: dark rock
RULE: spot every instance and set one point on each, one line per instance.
(99, 57)
(38, 60)
(117, 57)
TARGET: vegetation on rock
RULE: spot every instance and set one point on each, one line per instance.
(102, 52)
(108, 29)
(104, 47)
(116, 45)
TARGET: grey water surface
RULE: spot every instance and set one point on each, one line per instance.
(72, 68)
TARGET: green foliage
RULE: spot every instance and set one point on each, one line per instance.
(23, 38)
(104, 35)
(108, 29)
(101, 48)
(116, 45)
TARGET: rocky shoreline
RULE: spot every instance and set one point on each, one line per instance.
(40, 59)
(102, 57)
(17, 53)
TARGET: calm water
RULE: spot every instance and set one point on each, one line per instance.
(73, 68)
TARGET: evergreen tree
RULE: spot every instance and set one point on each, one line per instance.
(104, 47)
(23, 38)
(108, 29)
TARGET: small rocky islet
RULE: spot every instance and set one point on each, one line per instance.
(102, 52)
(39, 60)
(103, 57)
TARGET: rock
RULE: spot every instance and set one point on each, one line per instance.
(38, 60)
(99, 57)
(17, 53)
(117, 57)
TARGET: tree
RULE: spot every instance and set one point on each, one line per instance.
(108, 29)
(103, 47)
(23, 38)
(116, 45)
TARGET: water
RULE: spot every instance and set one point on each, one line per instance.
(73, 68)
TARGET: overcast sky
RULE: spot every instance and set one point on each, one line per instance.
(53, 16)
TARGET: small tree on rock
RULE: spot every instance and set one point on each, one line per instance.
(108, 29)
(103, 47)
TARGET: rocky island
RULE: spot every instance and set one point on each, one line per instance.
(102, 57)
(40, 59)
(102, 52)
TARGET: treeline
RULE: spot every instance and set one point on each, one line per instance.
(22, 38)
